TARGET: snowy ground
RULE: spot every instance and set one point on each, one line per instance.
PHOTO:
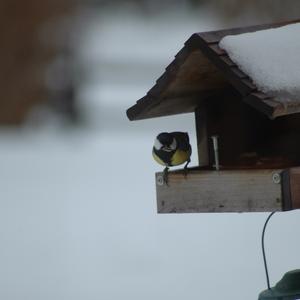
(77, 210)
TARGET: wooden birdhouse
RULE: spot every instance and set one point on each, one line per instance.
(258, 133)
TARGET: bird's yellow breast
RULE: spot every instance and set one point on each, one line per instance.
(180, 157)
(158, 160)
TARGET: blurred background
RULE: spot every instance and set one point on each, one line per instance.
(77, 208)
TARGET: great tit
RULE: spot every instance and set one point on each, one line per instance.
(172, 149)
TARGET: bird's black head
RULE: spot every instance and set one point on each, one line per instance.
(165, 141)
(165, 138)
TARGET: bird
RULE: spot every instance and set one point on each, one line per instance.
(172, 149)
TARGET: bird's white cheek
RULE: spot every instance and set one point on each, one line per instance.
(157, 144)
(173, 145)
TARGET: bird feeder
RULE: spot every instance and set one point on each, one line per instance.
(288, 288)
(258, 145)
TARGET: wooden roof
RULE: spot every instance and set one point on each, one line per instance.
(200, 70)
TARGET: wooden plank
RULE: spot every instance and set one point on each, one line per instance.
(202, 136)
(182, 54)
(261, 95)
(272, 107)
(247, 82)
(150, 107)
(180, 57)
(217, 50)
(286, 190)
(294, 176)
(286, 108)
(240, 74)
(219, 191)
(266, 106)
(228, 61)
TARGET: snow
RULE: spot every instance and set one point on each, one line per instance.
(271, 59)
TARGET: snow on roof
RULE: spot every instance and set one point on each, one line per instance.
(271, 58)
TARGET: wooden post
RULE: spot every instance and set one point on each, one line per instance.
(291, 188)
(202, 136)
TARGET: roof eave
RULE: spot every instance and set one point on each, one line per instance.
(208, 44)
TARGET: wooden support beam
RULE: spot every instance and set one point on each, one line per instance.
(254, 190)
(202, 136)
(291, 188)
